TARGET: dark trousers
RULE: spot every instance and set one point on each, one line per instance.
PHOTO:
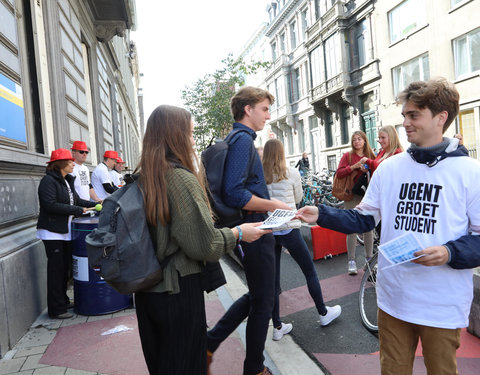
(259, 265)
(173, 329)
(296, 246)
(59, 261)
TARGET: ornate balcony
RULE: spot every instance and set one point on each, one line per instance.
(112, 17)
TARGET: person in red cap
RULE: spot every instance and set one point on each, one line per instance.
(116, 172)
(101, 180)
(81, 173)
(59, 202)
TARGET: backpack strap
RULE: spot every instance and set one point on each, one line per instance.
(230, 136)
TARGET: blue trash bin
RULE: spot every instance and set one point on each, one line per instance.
(92, 295)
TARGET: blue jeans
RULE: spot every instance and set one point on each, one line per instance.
(259, 265)
(296, 246)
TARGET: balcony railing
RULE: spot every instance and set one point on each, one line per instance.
(328, 87)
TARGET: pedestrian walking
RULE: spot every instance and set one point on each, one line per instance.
(354, 162)
(244, 187)
(285, 185)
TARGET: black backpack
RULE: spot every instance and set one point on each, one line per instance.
(121, 249)
(213, 159)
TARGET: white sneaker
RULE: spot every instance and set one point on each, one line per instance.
(352, 267)
(283, 330)
(332, 314)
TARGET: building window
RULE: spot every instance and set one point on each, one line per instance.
(316, 67)
(274, 51)
(329, 128)
(317, 9)
(345, 123)
(293, 35)
(331, 56)
(301, 136)
(360, 42)
(467, 129)
(332, 163)
(282, 42)
(406, 18)
(413, 70)
(290, 140)
(313, 121)
(295, 85)
(466, 53)
(304, 17)
(279, 90)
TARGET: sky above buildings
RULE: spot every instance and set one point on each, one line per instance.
(179, 42)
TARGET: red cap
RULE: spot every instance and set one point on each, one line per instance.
(60, 154)
(119, 160)
(79, 146)
(110, 154)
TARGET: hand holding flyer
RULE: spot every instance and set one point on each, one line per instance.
(400, 249)
(278, 218)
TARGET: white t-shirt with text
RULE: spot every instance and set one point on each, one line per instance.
(436, 204)
(82, 181)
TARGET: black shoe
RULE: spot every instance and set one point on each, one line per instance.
(65, 315)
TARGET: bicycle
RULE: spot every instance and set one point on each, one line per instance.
(367, 297)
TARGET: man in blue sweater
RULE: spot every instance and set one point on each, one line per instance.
(431, 192)
(244, 187)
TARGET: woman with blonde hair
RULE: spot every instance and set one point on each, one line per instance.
(285, 185)
(171, 315)
(354, 162)
(390, 144)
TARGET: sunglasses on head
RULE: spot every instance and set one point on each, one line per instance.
(83, 152)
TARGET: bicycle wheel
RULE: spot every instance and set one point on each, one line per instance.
(360, 239)
(367, 297)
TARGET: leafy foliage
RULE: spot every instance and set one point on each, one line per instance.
(208, 99)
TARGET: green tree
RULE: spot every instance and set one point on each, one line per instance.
(208, 99)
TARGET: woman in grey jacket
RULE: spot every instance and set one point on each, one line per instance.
(285, 185)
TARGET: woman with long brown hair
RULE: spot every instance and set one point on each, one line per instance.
(285, 185)
(171, 315)
(354, 162)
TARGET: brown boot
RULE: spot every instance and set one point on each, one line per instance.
(209, 361)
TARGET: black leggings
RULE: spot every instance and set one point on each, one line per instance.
(59, 263)
(173, 329)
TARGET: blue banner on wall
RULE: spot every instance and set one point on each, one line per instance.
(12, 118)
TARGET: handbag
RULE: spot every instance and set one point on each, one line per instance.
(361, 184)
(212, 276)
(342, 186)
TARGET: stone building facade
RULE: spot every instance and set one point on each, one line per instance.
(337, 66)
(68, 71)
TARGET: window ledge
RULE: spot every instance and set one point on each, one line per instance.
(408, 35)
(459, 5)
(467, 77)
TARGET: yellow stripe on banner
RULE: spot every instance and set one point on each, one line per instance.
(11, 98)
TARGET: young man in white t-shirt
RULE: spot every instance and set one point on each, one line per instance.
(83, 187)
(116, 172)
(101, 180)
(432, 192)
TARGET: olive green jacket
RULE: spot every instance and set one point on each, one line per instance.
(190, 234)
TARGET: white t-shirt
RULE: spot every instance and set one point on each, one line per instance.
(101, 176)
(117, 178)
(82, 181)
(437, 205)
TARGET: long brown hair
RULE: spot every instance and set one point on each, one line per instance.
(367, 150)
(393, 140)
(274, 165)
(166, 143)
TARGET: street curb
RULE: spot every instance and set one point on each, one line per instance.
(283, 357)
